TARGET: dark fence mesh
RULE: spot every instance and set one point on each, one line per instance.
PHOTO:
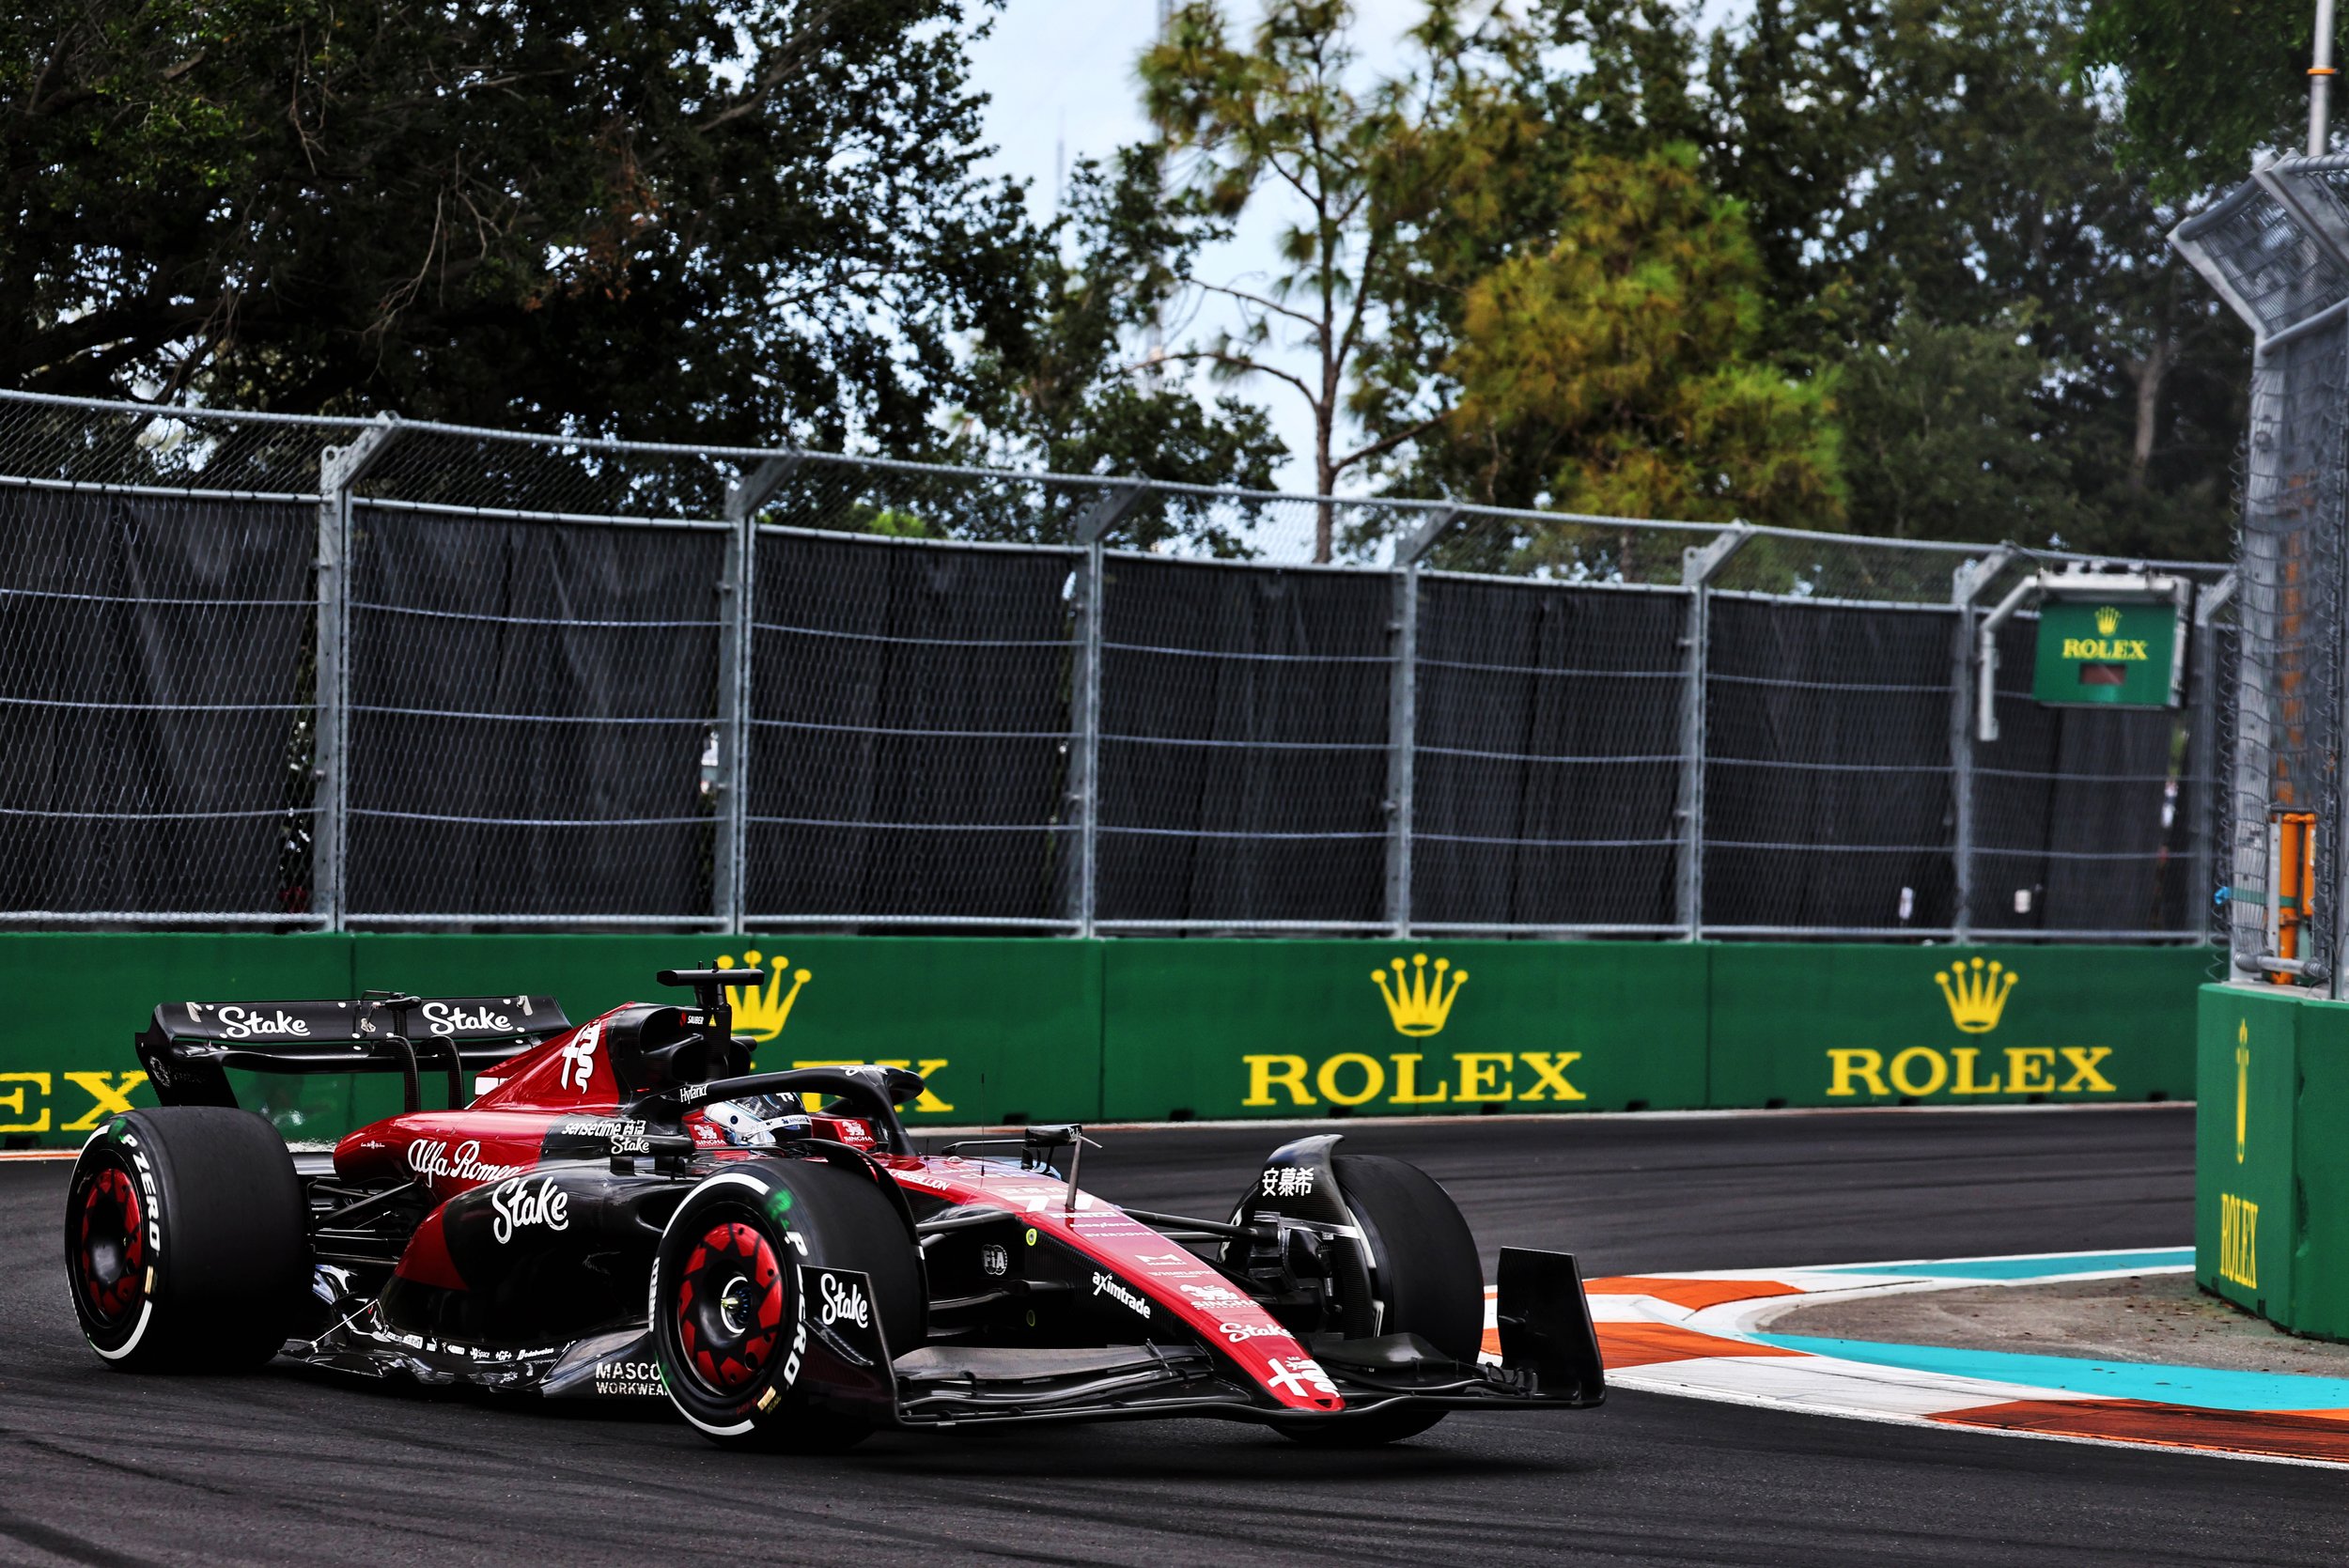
(909, 732)
(1826, 779)
(1547, 773)
(531, 703)
(2077, 818)
(1243, 745)
(155, 718)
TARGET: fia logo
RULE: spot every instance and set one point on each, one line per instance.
(1416, 1005)
(761, 1015)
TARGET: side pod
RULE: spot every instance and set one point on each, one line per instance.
(1545, 1325)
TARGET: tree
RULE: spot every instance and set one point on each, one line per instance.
(1946, 440)
(1617, 366)
(1062, 388)
(1282, 113)
(1936, 163)
(700, 219)
(2205, 83)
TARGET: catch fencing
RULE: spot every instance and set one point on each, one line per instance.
(286, 672)
(2277, 250)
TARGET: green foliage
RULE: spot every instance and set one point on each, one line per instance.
(1619, 364)
(1947, 441)
(1061, 388)
(2205, 83)
(693, 219)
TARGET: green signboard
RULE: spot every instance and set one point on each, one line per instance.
(2115, 652)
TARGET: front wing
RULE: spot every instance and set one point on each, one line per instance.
(1549, 1360)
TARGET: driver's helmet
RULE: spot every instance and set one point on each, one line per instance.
(758, 1121)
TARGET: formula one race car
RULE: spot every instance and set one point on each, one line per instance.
(625, 1212)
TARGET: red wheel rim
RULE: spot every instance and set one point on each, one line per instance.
(111, 1246)
(729, 1308)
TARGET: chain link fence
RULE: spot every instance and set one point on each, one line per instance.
(2277, 249)
(388, 675)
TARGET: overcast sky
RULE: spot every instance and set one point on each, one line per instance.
(1061, 75)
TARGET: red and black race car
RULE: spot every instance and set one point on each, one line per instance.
(622, 1210)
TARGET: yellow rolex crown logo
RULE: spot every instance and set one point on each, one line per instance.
(2107, 621)
(761, 1015)
(1418, 1004)
(1976, 993)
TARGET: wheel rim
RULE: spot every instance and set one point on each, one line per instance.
(111, 1247)
(727, 1307)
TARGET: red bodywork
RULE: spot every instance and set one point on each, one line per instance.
(502, 1134)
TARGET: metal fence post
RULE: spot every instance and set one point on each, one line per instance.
(1967, 582)
(1698, 567)
(1403, 712)
(2202, 749)
(1084, 694)
(746, 497)
(340, 469)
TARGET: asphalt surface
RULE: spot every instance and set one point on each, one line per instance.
(100, 1468)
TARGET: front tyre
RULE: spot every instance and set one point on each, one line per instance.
(728, 1318)
(1424, 1279)
(186, 1242)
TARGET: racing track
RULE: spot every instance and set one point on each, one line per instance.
(103, 1470)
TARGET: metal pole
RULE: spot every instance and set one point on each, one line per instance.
(1965, 586)
(729, 872)
(1698, 567)
(1084, 695)
(2320, 75)
(1403, 713)
(340, 469)
(2202, 748)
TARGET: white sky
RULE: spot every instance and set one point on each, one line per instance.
(1061, 75)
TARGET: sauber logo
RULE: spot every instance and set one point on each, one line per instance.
(520, 1205)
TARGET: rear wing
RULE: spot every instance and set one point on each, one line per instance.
(188, 1046)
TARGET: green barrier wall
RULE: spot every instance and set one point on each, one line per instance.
(1220, 1029)
(2271, 1189)
(1848, 1024)
(1046, 1029)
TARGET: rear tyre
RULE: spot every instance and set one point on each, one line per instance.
(725, 1305)
(186, 1245)
(1423, 1279)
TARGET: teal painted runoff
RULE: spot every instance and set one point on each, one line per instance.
(2027, 1269)
(2199, 1387)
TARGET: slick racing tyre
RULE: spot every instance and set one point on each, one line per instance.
(1428, 1283)
(726, 1309)
(185, 1240)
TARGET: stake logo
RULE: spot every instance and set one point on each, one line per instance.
(519, 1205)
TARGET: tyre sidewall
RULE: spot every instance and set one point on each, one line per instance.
(809, 1214)
(224, 1227)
